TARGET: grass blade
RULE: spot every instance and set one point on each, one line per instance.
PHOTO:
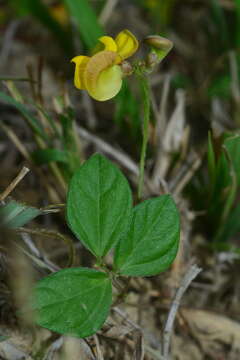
(86, 21)
(32, 121)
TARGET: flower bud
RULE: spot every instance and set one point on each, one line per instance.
(160, 45)
(127, 68)
(151, 60)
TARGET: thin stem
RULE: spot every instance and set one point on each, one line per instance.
(14, 183)
(146, 109)
(190, 275)
(52, 234)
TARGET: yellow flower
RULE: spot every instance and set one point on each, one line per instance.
(101, 74)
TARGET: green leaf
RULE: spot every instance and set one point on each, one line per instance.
(220, 86)
(219, 18)
(32, 121)
(15, 214)
(231, 227)
(151, 244)
(86, 21)
(74, 301)
(69, 140)
(45, 156)
(98, 204)
(232, 144)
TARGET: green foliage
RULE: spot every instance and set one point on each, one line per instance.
(181, 81)
(151, 243)
(76, 301)
(14, 214)
(86, 21)
(33, 122)
(218, 17)
(223, 187)
(45, 156)
(232, 144)
(69, 142)
(220, 86)
(98, 205)
(237, 32)
(231, 226)
(127, 108)
(47, 132)
(161, 12)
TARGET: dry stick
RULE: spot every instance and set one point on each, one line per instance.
(39, 260)
(235, 87)
(145, 88)
(98, 349)
(14, 183)
(189, 174)
(88, 106)
(160, 129)
(12, 136)
(139, 350)
(192, 272)
(134, 326)
(7, 41)
(120, 156)
(125, 316)
(154, 353)
(107, 11)
(52, 234)
(23, 150)
(124, 160)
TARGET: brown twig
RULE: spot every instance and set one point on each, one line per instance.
(139, 349)
(107, 11)
(98, 348)
(191, 274)
(50, 233)
(187, 176)
(120, 156)
(14, 183)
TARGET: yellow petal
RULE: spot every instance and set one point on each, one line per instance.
(109, 43)
(103, 79)
(81, 62)
(104, 43)
(127, 44)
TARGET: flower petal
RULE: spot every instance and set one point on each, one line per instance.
(105, 43)
(109, 43)
(102, 78)
(127, 44)
(81, 62)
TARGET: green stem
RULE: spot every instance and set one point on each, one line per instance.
(146, 109)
